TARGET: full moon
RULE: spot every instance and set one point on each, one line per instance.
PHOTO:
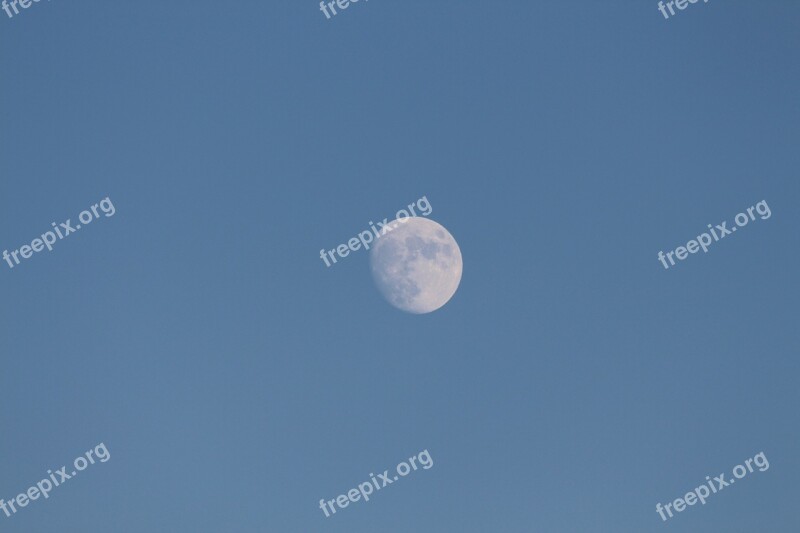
(417, 265)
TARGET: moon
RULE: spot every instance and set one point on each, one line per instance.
(417, 265)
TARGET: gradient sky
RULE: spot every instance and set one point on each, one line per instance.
(569, 385)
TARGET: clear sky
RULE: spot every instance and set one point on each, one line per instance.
(570, 384)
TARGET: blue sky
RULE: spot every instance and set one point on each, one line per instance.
(569, 385)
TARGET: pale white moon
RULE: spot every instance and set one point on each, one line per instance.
(417, 265)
